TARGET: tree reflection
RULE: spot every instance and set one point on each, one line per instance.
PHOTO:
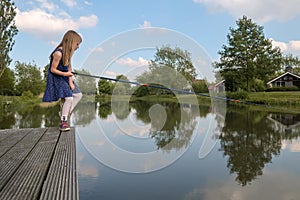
(50, 116)
(121, 109)
(250, 141)
(104, 110)
(7, 120)
(142, 108)
(178, 126)
(84, 113)
(29, 116)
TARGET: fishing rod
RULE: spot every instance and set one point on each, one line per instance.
(107, 78)
(181, 91)
(141, 84)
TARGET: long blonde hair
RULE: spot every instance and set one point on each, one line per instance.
(67, 45)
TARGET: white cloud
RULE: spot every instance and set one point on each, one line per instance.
(87, 21)
(273, 184)
(88, 3)
(48, 26)
(69, 3)
(146, 24)
(291, 145)
(283, 46)
(295, 45)
(98, 49)
(47, 5)
(258, 10)
(292, 47)
(110, 74)
(88, 170)
(64, 14)
(132, 63)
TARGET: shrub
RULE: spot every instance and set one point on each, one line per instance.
(259, 85)
(27, 95)
(239, 95)
(273, 89)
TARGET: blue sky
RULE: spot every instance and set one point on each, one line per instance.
(42, 23)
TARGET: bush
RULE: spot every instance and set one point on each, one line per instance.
(27, 95)
(237, 95)
(259, 85)
(273, 89)
(141, 91)
(200, 86)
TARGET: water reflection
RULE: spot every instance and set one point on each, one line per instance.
(170, 121)
(249, 137)
(287, 124)
(142, 131)
(28, 116)
(174, 125)
(250, 140)
(84, 114)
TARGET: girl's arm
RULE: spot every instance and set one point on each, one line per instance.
(57, 55)
(71, 84)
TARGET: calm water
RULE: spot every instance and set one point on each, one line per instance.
(175, 151)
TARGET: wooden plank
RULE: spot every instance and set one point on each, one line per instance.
(6, 132)
(38, 164)
(61, 182)
(10, 137)
(14, 157)
(27, 181)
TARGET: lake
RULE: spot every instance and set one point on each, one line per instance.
(165, 150)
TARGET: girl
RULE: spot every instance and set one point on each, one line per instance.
(60, 84)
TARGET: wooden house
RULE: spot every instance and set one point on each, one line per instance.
(285, 123)
(287, 79)
(219, 87)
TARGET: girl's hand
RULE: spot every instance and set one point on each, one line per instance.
(72, 86)
(69, 73)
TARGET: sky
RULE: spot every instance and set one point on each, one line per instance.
(203, 24)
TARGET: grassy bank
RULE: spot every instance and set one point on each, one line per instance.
(159, 98)
(264, 98)
(275, 98)
(285, 99)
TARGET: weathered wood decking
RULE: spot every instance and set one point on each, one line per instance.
(38, 164)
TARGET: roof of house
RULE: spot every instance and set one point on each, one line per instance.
(219, 83)
(282, 76)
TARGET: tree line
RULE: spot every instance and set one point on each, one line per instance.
(27, 77)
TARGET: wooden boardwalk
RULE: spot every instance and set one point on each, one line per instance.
(38, 164)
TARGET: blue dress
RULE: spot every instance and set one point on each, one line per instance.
(57, 86)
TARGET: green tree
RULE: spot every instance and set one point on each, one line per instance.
(171, 68)
(121, 86)
(86, 84)
(7, 82)
(248, 56)
(45, 72)
(104, 87)
(199, 86)
(291, 61)
(28, 78)
(296, 70)
(141, 91)
(176, 58)
(8, 30)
